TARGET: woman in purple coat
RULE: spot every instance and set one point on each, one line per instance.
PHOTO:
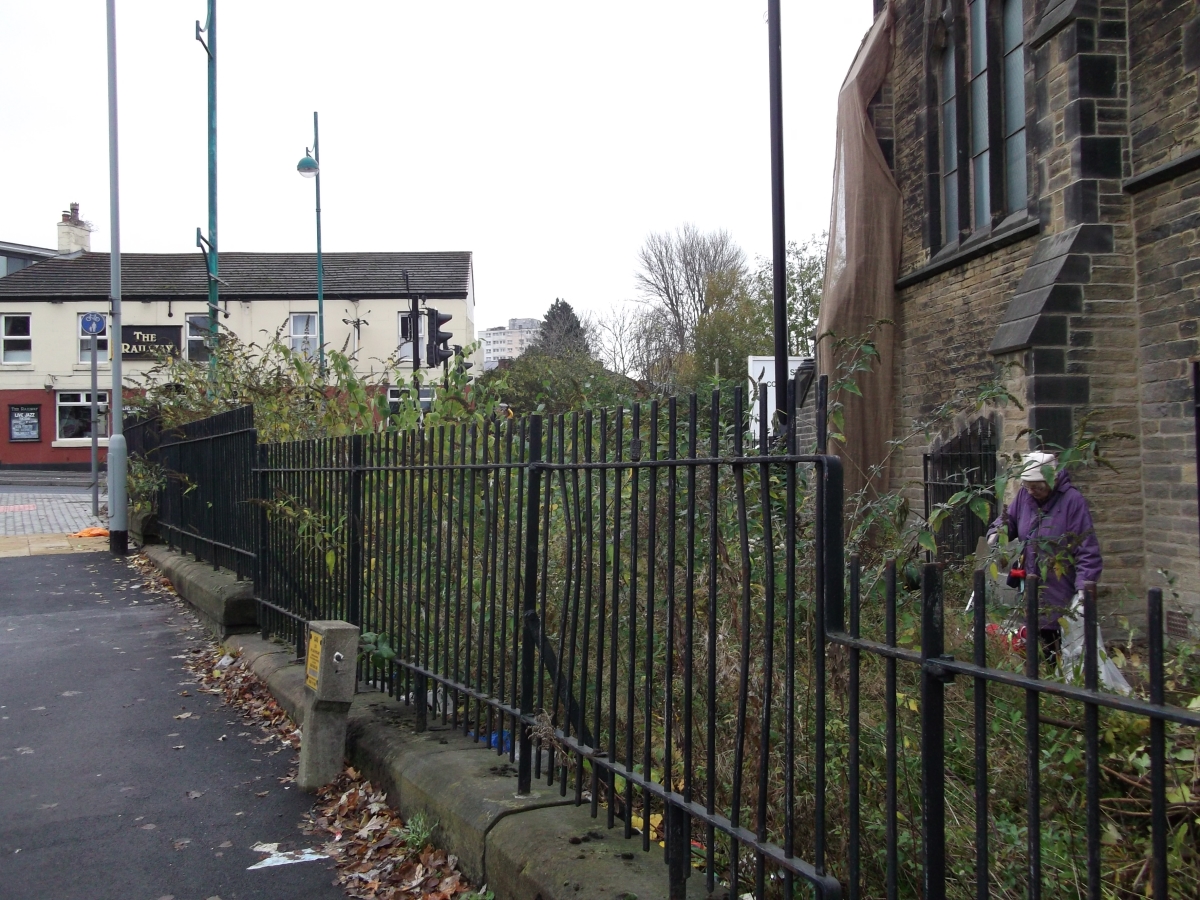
(1060, 540)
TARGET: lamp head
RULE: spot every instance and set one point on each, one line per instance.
(308, 167)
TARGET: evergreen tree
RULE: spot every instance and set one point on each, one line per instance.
(562, 334)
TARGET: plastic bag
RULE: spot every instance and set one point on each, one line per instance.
(90, 532)
(1071, 655)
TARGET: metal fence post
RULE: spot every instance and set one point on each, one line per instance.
(354, 554)
(531, 626)
(933, 708)
(262, 493)
(679, 851)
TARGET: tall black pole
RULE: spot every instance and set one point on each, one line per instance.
(778, 238)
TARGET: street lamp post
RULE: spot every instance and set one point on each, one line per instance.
(210, 254)
(118, 513)
(310, 167)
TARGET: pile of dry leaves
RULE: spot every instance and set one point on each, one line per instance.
(379, 857)
(225, 675)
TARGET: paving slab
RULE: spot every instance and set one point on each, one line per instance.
(29, 511)
(43, 544)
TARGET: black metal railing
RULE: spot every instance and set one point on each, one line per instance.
(967, 461)
(565, 589)
(143, 434)
(206, 506)
(649, 608)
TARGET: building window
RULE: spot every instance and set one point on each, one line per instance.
(85, 342)
(1016, 181)
(949, 124)
(979, 81)
(304, 333)
(74, 415)
(404, 333)
(16, 345)
(978, 88)
(197, 337)
(969, 460)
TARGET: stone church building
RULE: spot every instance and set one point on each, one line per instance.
(1047, 156)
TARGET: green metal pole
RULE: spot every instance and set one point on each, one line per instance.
(210, 46)
(320, 264)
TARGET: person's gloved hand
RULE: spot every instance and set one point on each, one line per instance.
(993, 539)
(1077, 603)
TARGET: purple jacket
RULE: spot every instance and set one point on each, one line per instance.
(1061, 528)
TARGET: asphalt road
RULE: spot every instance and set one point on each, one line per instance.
(94, 795)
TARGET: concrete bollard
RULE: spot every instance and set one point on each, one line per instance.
(330, 670)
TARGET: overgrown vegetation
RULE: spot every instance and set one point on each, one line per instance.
(470, 584)
(293, 399)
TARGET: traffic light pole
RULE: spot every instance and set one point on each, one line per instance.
(414, 331)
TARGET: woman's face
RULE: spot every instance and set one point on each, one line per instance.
(1039, 490)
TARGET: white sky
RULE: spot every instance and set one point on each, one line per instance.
(548, 138)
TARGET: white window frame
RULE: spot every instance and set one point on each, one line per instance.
(188, 337)
(85, 342)
(5, 339)
(403, 342)
(303, 337)
(402, 318)
(82, 401)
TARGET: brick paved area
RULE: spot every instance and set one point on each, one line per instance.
(32, 512)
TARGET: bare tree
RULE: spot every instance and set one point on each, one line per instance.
(615, 338)
(686, 275)
(637, 340)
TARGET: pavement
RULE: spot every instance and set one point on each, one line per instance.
(107, 793)
(37, 511)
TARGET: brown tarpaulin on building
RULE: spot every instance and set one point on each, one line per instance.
(862, 260)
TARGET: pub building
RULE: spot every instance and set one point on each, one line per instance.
(45, 355)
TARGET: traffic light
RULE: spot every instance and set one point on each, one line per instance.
(463, 362)
(437, 342)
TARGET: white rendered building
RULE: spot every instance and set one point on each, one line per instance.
(44, 358)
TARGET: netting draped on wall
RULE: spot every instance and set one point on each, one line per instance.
(863, 258)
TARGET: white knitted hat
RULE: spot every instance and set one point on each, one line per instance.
(1034, 463)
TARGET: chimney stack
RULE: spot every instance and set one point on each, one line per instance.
(74, 234)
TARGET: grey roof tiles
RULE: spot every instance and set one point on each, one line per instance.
(244, 275)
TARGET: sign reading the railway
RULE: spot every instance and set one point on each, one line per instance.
(149, 341)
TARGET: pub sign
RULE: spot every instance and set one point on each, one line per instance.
(24, 422)
(148, 341)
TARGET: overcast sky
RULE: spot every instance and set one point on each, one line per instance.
(548, 137)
